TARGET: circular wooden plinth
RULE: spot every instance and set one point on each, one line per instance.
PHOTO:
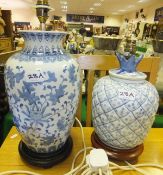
(130, 155)
(45, 160)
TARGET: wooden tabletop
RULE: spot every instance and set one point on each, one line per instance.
(10, 159)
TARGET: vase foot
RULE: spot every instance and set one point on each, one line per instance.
(129, 155)
(45, 160)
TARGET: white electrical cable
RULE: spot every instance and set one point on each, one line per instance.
(76, 156)
(109, 172)
(116, 166)
(136, 169)
(18, 172)
(125, 168)
(100, 171)
(84, 156)
(87, 170)
(81, 169)
(149, 165)
(89, 173)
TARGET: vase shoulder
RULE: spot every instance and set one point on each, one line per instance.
(24, 57)
(41, 31)
(126, 76)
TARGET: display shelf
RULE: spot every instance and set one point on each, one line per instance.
(21, 26)
(111, 30)
(72, 26)
(5, 44)
(6, 40)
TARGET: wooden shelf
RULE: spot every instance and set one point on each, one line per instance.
(5, 44)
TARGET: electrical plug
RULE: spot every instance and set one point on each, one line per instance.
(97, 159)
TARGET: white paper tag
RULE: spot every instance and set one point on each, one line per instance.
(36, 76)
(127, 95)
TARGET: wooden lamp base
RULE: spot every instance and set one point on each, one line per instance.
(45, 160)
(130, 155)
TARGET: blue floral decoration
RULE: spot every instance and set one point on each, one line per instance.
(72, 96)
(72, 74)
(59, 92)
(39, 120)
(61, 124)
(37, 114)
(28, 95)
(52, 76)
(14, 78)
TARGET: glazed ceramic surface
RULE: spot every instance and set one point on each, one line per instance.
(42, 83)
(124, 107)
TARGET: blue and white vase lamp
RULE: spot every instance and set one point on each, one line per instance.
(124, 107)
(43, 83)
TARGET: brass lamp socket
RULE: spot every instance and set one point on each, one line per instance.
(42, 2)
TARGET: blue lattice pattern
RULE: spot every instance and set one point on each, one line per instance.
(123, 112)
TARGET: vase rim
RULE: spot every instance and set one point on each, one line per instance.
(134, 76)
(42, 31)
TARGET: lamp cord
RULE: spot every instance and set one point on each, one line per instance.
(84, 169)
(18, 172)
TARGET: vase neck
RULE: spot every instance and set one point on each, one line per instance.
(46, 43)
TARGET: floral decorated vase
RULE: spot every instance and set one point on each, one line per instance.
(124, 105)
(42, 83)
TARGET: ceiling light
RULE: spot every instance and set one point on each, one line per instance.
(115, 13)
(131, 6)
(63, 2)
(91, 12)
(97, 4)
(142, 1)
(101, 0)
(64, 6)
(3, 2)
(121, 10)
(91, 8)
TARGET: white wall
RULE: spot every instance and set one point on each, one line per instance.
(112, 20)
(28, 15)
(24, 15)
(149, 12)
(21, 15)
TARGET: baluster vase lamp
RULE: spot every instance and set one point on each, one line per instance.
(43, 83)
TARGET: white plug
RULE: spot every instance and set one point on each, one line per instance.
(97, 159)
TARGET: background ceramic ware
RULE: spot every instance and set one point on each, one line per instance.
(42, 82)
(124, 106)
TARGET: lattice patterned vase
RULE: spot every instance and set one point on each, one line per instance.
(42, 83)
(124, 106)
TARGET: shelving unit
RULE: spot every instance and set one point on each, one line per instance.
(6, 40)
(111, 30)
(21, 26)
(72, 26)
(5, 44)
